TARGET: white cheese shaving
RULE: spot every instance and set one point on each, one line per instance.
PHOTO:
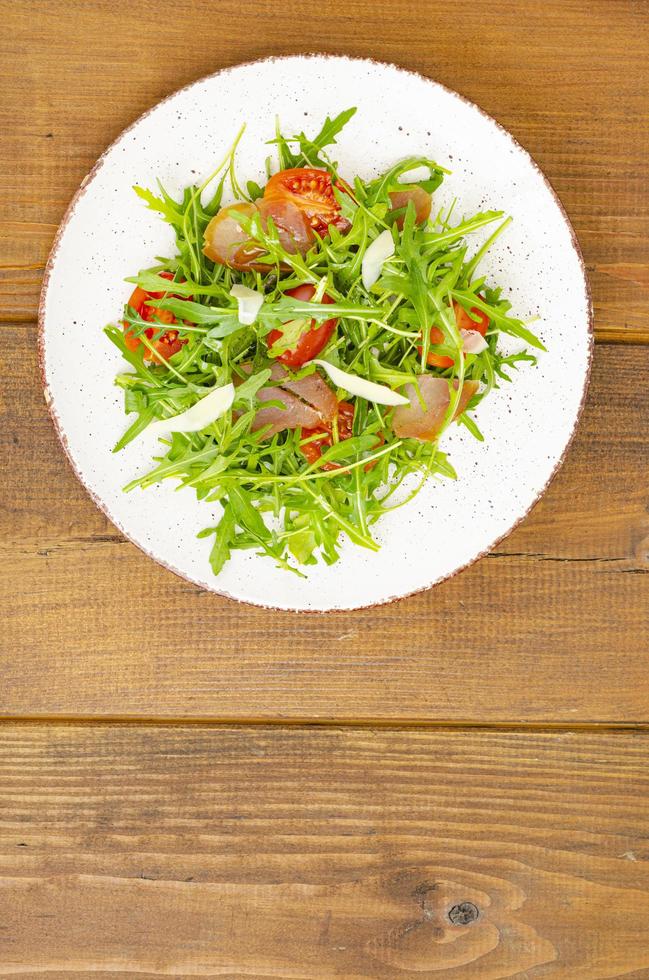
(380, 394)
(375, 255)
(473, 342)
(249, 302)
(200, 415)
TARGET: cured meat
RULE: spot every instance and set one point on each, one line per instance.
(420, 198)
(293, 228)
(473, 342)
(413, 422)
(313, 390)
(308, 403)
(295, 412)
(226, 242)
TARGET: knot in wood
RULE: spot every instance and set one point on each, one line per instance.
(463, 914)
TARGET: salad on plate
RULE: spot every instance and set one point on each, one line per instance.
(302, 354)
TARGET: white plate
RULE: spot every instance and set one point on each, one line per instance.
(107, 235)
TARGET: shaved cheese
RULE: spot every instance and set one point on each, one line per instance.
(473, 342)
(200, 415)
(249, 302)
(362, 387)
(375, 255)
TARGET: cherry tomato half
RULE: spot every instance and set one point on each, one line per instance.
(464, 322)
(314, 338)
(312, 451)
(310, 190)
(167, 343)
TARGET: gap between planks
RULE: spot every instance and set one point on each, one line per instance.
(306, 723)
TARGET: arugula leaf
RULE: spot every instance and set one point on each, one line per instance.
(332, 127)
(247, 390)
(246, 515)
(302, 543)
(310, 150)
(134, 400)
(142, 421)
(292, 331)
(165, 205)
(254, 190)
(224, 538)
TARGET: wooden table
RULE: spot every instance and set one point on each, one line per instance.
(455, 785)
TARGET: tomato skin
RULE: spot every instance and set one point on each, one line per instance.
(312, 191)
(136, 302)
(167, 343)
(437, 360)
(464, 322)
(314, 338)
(313, 450)
(478, 320)
(346, 412)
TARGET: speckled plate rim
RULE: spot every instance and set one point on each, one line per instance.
(100, 504)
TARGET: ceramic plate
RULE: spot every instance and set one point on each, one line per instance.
(107, 234)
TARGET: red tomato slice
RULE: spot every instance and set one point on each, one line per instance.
(313, 450)
(314, 338)
(136, 302)
(475, 319)
(310, 190)
(464, 322)
(168, 343)
(437, 360)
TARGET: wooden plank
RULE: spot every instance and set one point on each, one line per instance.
(548, 628)
(579, 108)
(307, 853)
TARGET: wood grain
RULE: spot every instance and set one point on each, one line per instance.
(550, 627)
(313, 854)
(568, 78)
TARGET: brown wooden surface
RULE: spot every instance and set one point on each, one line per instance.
(204, 852)
(265, 850)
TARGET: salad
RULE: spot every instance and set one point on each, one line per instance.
(304, 351)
